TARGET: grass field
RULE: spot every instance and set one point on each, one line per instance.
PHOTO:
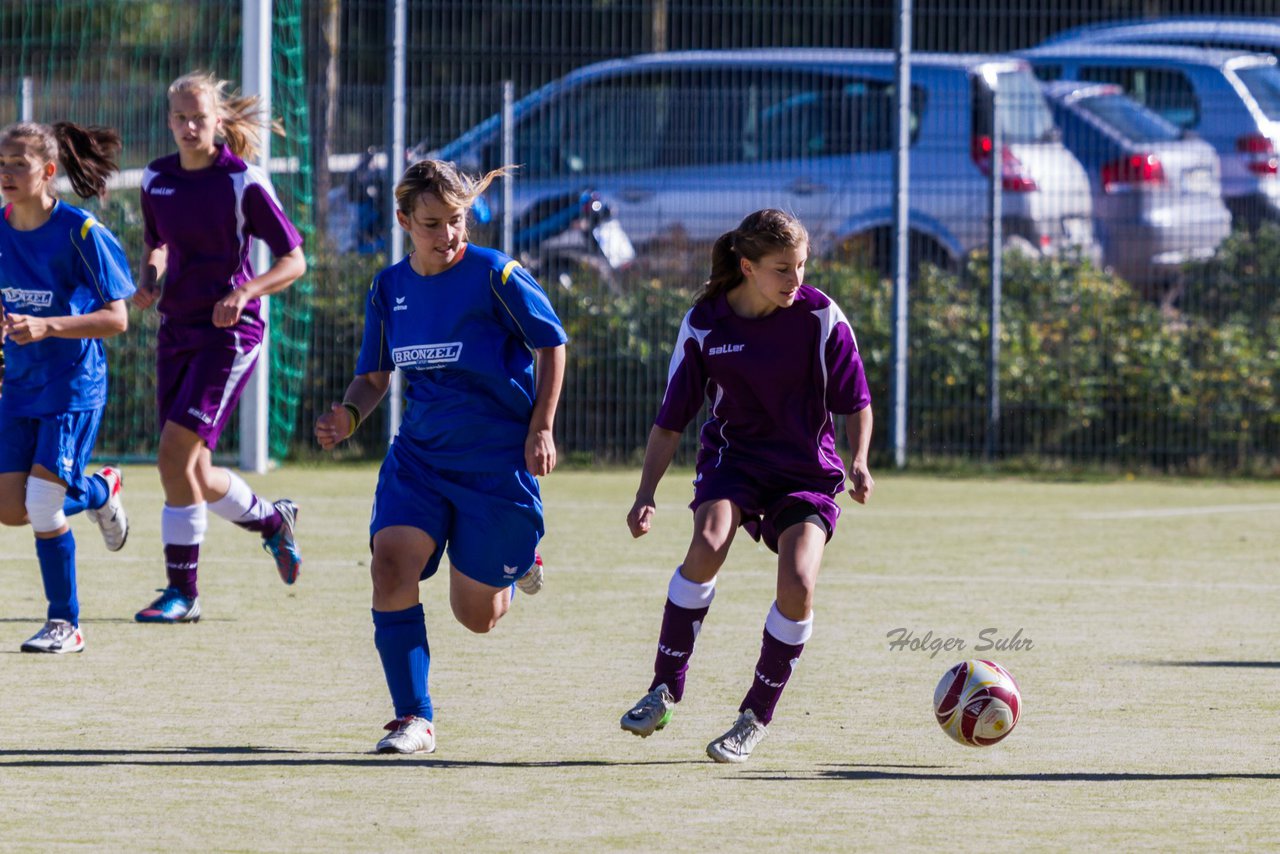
(1151, 686)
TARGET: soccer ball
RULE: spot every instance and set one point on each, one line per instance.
(977, 703)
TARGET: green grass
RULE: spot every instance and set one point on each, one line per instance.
(1150, 688)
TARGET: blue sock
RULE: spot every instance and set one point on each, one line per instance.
(401, 639)
(58, 570)
(95, 494)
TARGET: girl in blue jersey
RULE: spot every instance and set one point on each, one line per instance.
(202, 207)
(776, 360)
(482, 353)
(64, 280)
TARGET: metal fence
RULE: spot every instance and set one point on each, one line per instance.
(739, 105)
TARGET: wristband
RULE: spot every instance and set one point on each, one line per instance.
(354, 412)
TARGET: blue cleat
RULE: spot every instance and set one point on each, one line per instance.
(170, 607)
(282, 546)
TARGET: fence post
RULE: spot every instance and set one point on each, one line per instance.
(397, 17)
(901, 227)
(997, 273)
(255, 405)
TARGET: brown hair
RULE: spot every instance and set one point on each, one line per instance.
(242, 115)
(87, 154)
(759, 234)
(443, 180)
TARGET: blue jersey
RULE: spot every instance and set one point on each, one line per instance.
(71, 265)
(464, 339)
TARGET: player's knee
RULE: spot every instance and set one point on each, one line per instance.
(391, 577)
(44, 505)
(481, 621)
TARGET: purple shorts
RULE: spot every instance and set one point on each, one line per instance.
(201, 371)
(764, 501)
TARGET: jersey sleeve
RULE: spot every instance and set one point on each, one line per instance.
(105, 266)
(686, 379)
(375, 350)
(847, 390)
(266, 220)
(150, 234)
(524, 309)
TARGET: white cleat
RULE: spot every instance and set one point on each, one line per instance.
(57, 637)
(650, 714)
(410, 734)
(736, 744)
(110, 517)
(531, 582)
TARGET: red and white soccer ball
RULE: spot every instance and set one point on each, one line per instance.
(977, 703)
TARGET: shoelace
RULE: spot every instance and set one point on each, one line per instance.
(651, 703)
(742, 731)
(57, 631)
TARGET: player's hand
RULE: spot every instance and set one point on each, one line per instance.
(640, 519)
(145, 297)
(25, 328)
(333, 427)
(540, 452)
(227, 312)
(861, 482)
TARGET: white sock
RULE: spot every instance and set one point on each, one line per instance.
(240, 504)
(183, 526)
(688, 594)
(788, 631)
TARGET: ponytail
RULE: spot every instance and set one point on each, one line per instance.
(87, 154)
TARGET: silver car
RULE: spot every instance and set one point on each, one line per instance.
(1230, 99)
(1157, 192)
(681, 145)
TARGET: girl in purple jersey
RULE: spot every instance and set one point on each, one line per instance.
(64, 281)
(201, 208)
(776, 361)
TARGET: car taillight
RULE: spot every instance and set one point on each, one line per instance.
(1130, 172)
(1261, 154)
(1013, 178)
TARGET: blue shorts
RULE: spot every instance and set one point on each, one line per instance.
(61, 443)
(489, 523)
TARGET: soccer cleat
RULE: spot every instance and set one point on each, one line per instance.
(410, 734)
(110, 517)
(282, 546)
(57, 637)
(736, 744)
(170, 607)
(651, 714)
(531, 582)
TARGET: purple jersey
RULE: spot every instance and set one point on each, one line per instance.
(773, 384)
(206, 218)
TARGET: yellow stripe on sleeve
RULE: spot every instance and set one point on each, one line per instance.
(88, 224)
(506, 271)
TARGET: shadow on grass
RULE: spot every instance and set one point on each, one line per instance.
(862, 773)
(1274, 665)
(210, 757)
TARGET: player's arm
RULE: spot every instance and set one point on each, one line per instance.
(283, 272)
(362, 397)
(540, 445)
(154, 262)
(658, 454)
(111, 319)
(858, 428)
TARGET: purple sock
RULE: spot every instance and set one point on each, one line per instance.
(181, 562)
(267, 525)
(777, 660)
(680, 627)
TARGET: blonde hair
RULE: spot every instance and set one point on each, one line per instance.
(443, 180)
(242, 115)
(758, 235)
(87, 154)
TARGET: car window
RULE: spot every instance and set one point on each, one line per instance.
(1130, 119)
(1048, 73)
(707, 117)
(1162, 90)
(1024, 113)
(814, 115)
(1263, 83)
